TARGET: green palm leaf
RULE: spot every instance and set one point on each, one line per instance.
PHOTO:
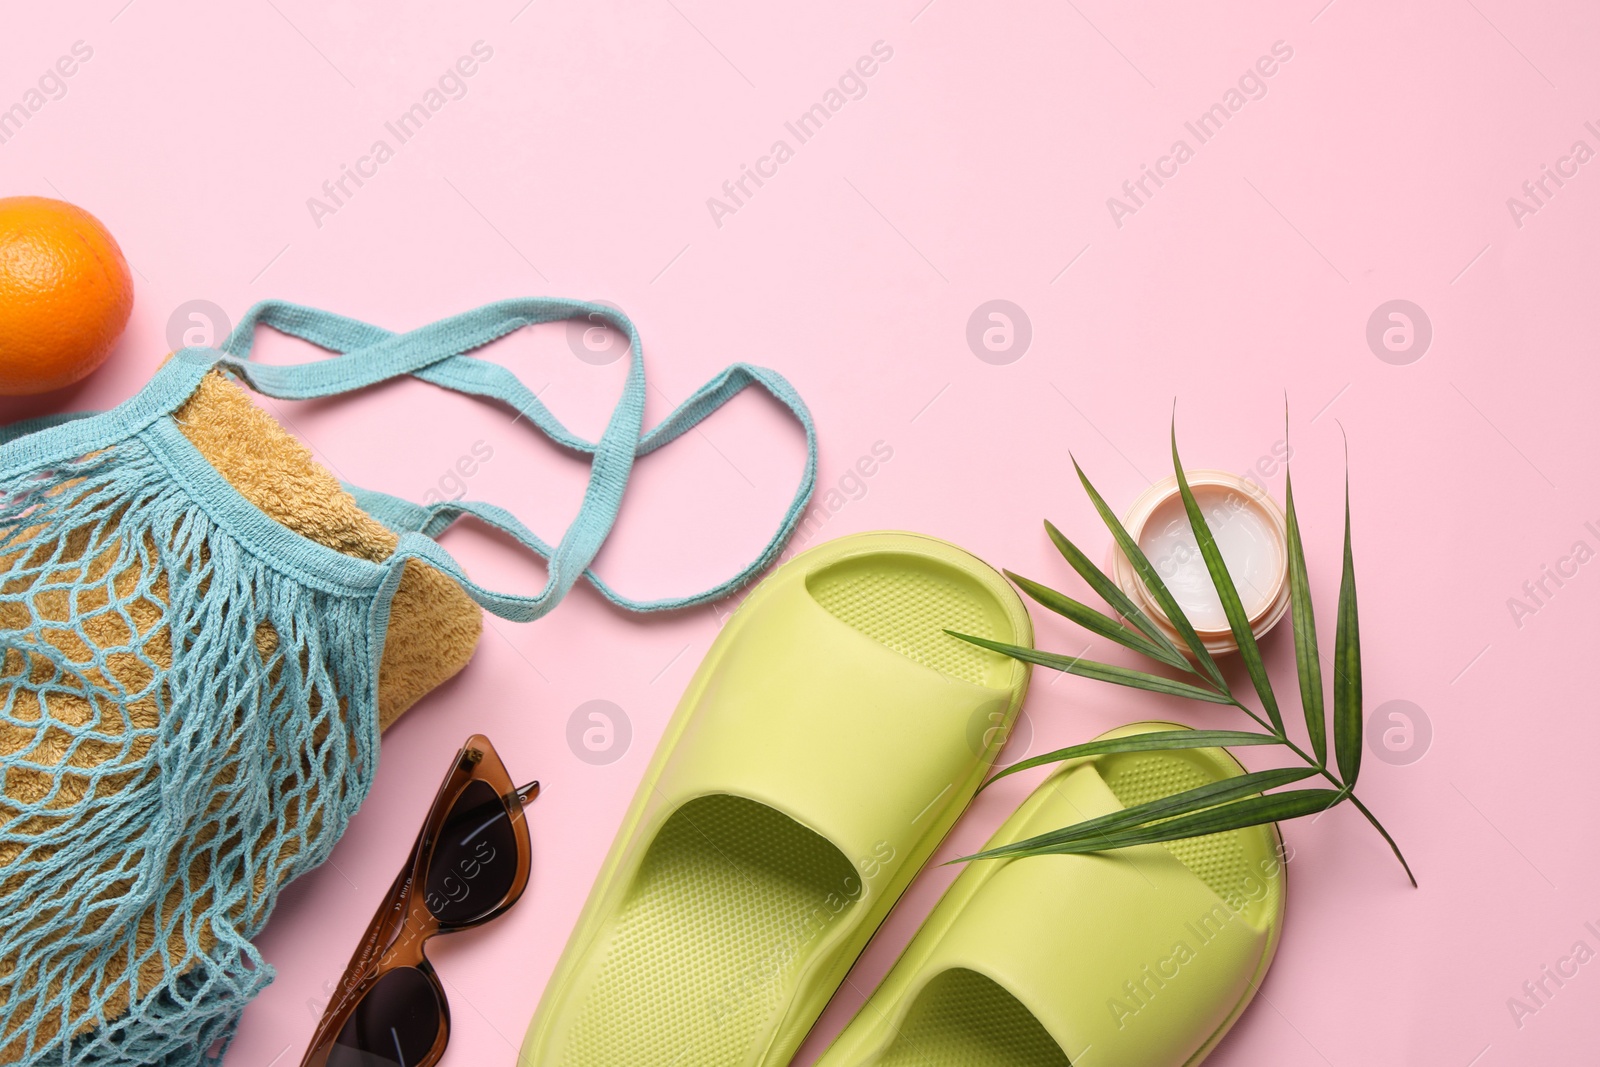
(1096, 622)
(1152, 581)
(1307, 659)
(1104, 672)
(1234, 815)
(1203, 796)
(1238, 621)
(1252, 811)
(1112, 594)
(1235, 803)
(1347, 665)
(1162, 740)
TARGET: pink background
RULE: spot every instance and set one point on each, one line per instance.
(976, 167)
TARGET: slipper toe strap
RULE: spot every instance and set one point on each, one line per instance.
(1126, 953)
(845, 736)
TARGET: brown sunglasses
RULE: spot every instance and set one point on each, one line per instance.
(469, 864)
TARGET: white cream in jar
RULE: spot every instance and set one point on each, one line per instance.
(1249, 529)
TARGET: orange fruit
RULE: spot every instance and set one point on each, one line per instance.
(65, 294)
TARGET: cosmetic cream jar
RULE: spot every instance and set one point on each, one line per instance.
(1250, 529)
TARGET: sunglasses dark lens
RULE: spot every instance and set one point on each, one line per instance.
(394, 1025)
(474, 862)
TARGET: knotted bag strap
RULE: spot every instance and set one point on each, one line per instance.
(366, 355)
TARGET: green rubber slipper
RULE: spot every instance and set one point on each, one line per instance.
(1142, 957)
(825, 746)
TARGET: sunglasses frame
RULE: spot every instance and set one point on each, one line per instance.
(403, 923)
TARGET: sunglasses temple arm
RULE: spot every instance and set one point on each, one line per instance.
(527, 792)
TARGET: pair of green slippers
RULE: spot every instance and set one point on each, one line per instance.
(828, 742)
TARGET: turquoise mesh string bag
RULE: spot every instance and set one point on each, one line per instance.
(188, 688)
